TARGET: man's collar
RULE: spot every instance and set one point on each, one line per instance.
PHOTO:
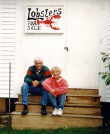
(38, 70)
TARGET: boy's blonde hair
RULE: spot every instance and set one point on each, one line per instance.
(55, 68)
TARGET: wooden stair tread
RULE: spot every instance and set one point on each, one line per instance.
(91, 89)
(4, 120)
(82, 92)
(67, 109)
(2, 105)
(68, 95)
(66, 105)
(64, 115)
(36, 121)
(83, 105)
(74, 98)
(82, 109)
(3, 113)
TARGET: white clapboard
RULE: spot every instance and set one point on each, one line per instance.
(7, 46)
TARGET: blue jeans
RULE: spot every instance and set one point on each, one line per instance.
(57, 102)
(33, 90)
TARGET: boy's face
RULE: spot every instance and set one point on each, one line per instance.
(56, 74)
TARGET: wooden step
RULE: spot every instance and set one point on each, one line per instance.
(5, 120)
(31, 99)
(82, 91)
(77, 110)
(36, 121)
(78, 99)
(69, 105)
(2, 105)
(71, 99)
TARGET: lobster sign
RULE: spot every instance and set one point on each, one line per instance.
(44, 19)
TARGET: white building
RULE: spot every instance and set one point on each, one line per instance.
(85, 34)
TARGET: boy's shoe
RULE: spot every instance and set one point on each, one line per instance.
(43, 110)
(55, 111)
(60, 112)
(25, 110)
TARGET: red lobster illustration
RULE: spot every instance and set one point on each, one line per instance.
(50, 22)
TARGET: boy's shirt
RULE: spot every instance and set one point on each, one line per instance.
(60, 86)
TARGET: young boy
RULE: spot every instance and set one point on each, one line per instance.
(57, 88)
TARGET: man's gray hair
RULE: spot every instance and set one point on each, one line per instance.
(38, 59)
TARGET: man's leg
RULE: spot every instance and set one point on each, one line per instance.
(44, 101)
(25, 92)
(44, 97)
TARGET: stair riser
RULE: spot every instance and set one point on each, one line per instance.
(2, 105)
(4, 121)
(70, 100)
(83, 100)
(32, 99)
(67, 110)
(48, 122)
(84, 115)
(83, 92)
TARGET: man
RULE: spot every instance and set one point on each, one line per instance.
(36, 74)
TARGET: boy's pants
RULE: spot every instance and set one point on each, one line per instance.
(57, 102)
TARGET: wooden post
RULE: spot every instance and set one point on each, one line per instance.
(9, 84)
(9, 95)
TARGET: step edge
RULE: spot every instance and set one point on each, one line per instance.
(69, 95)
(96, 96)
(66, 105)
(64, 115)
(94, 89)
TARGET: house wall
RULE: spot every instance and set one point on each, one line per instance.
(84, 23)
(82, 35)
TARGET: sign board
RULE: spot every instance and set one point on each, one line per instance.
(44, 19)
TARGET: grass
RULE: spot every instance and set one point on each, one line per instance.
(57, 131)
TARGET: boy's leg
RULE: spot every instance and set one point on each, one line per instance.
(53, 100)
(25, 93)
(61, 101)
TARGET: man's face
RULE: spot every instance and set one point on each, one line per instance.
(38, 64)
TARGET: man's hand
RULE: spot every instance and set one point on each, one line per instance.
(35, 83)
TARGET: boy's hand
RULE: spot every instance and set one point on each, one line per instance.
(52, 91)
(35, 83)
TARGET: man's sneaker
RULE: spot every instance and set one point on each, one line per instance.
(60, 112)
(25, 110)
(55, 111)
(43, 110)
